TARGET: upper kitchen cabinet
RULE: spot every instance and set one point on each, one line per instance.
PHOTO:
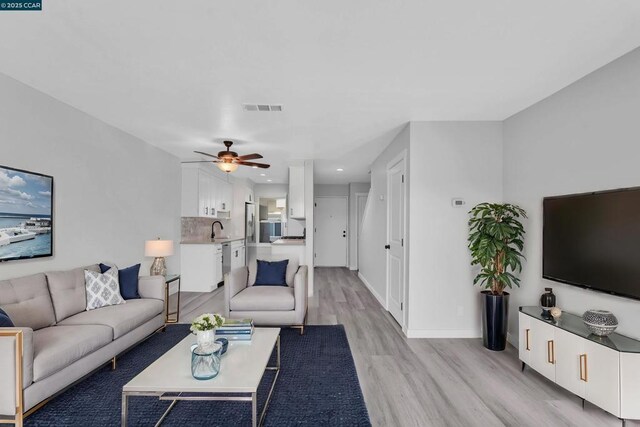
(296, 192)
(224, 201)
(204, 195)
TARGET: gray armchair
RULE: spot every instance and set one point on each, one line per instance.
(267, 305)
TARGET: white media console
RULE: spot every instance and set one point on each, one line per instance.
(602, 370)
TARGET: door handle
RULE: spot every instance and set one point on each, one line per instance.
(527, 339)
(551, 357)
(387, 246)
(583, 368)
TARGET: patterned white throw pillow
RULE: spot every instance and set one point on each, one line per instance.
(102, 289)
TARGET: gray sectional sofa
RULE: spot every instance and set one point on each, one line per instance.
(62, 341)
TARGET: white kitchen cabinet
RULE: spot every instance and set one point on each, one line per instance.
(296, 192)
(603, 371)
(237, 254)
(201, 267)
(224, 196)
(198, 199)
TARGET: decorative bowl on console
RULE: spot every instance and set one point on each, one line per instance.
(600, 322)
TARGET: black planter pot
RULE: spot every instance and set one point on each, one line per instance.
(495, 320)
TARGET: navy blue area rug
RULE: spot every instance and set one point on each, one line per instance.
(317, 386)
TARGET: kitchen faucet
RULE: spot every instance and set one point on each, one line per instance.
(213, 232)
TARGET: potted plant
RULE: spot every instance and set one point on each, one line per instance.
(204, 326)
(496, 241)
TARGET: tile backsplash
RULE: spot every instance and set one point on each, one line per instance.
(192, 228)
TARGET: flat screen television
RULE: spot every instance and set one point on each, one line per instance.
(26, 214)
(592, 240)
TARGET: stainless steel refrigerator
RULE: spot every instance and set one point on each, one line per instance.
(250, 232)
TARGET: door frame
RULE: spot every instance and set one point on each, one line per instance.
(358, 224)
(315, 226)
(401, 157)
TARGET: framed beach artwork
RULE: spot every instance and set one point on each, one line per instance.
(26, 214)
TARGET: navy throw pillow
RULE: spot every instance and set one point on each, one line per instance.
(5, 321)
(272, 273)
(128, 278)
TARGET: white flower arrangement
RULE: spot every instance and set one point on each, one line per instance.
(206, 322)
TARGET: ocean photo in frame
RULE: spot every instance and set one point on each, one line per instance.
(26, 214)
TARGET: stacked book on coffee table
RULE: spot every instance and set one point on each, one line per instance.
(236, 329)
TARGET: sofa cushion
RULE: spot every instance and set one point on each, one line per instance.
(121, 318)
(102, 289)
(5, 320)
(57, 347)
(128, 279)
(27, 301)
(263, 298)
(271, 273)
(68, 292)
(292, 269)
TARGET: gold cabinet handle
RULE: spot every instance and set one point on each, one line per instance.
(551, 357)
(583, 368)
(528, 348)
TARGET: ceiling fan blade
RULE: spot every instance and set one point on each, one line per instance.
(205, 154)
(258, 165)
(201, 161)
(250, 156)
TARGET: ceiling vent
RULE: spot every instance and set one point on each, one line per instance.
(261, 107)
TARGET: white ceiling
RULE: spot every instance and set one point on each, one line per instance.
(350, 74)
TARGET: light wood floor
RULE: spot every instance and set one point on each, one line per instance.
(428, 382)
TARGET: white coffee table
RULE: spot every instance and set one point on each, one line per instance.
(241, 370)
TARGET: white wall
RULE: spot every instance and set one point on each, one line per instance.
(329, 190)
(112, 191)
(354, 188)
(448, 160)
(373, 257)
(583, 138)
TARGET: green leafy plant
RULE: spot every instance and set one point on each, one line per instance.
(496, 241)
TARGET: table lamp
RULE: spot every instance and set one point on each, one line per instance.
(158, 249)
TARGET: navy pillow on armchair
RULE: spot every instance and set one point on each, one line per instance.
(5, 321)
(271, 273)
(128, 278)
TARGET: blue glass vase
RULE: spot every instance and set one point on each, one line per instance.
(205, 361)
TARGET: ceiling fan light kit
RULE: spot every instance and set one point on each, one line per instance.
(227, 166)
(228, 161)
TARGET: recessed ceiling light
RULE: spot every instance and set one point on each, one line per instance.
(263, 174)
(269, 180)
(339, 169)
(255, 167)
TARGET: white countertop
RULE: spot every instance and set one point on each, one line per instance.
(289, 242)
(211, 242)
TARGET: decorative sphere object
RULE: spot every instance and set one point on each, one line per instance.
(600, 322)
(556, 312)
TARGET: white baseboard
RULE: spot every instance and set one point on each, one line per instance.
(443, 333)
(381, 300)
(353, 268)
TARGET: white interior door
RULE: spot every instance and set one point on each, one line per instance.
(395, 240)
(330, 241)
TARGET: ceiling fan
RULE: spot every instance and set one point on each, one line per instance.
(228, 161)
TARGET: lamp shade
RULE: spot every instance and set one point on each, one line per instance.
(227, 166)
(158, 248)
